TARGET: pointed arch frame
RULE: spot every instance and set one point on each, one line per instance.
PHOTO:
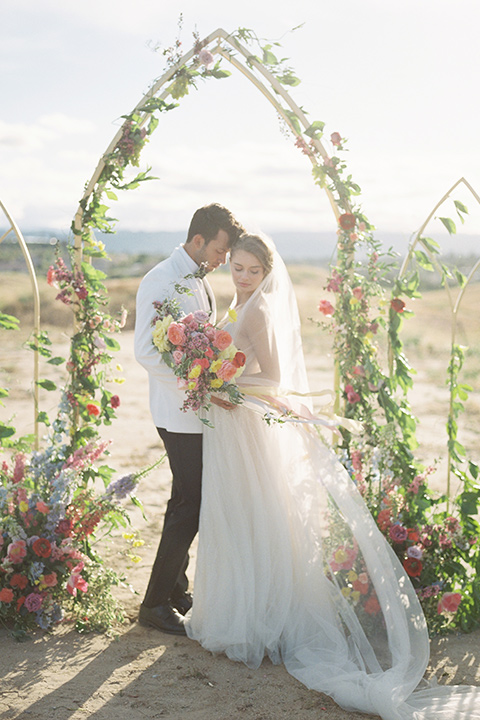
(226, 45)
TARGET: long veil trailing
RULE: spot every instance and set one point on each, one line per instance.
(290, 562)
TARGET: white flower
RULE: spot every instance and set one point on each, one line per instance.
(206, 58)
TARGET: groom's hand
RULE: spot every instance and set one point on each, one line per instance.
(222, 403)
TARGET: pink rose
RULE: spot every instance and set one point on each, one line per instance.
(352, 396)
(326, 308)
(449, 603)
(115, 401)
(177, 356)
(201, 316)
(222, 340)
(16, 551)
(336, 138)
(50, 580)
(343, 558)
(206, 58)
(398, 533)
(227, 371)
(359, 370)
(190, 322)
(357, 292)
(176, 333)
(42, 507)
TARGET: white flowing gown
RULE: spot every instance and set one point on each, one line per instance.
(277, 506)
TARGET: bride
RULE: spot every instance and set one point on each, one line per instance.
(290, 562)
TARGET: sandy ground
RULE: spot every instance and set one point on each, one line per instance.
(141, 673)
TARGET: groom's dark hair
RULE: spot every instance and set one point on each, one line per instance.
(209, 219)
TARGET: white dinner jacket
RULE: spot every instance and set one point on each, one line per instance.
(166, 399)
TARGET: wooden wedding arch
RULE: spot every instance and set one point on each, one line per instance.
(228, 47)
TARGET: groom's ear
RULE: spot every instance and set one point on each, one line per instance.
(198, 241)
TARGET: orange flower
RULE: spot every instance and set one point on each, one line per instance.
(372, 606)
(93, 409)
(239, 359)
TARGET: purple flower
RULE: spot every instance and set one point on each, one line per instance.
(33, 602)
(122, 487)
(415, 552)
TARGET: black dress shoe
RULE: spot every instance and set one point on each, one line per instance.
(162, 617)
(183, 603)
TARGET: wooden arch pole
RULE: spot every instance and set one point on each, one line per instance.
(36, 308)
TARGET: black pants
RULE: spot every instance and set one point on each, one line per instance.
(168, 579)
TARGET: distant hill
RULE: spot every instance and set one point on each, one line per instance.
(293, 246)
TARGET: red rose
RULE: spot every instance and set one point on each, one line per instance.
(347, 221)
(397, 305)
(413, 567)
(239, 359)
(115, 401)
(336, 138)
(42, 547)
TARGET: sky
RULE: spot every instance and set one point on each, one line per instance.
(398, 79)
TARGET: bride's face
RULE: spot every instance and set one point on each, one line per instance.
(247, 273)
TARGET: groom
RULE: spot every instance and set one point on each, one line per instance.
(213, 229)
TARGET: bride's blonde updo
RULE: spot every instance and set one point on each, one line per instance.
(258, 246)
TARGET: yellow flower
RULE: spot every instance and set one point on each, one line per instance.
(216, 365)
(216, 383)
(119, 367)
(23, 506)
(195, 371)
(355, 595)
(192, 385)
(352, 576)
(159, 333)
(138, 543)
(229, 353)
(128, 536)
(232, 314)
(135, 558)
(340, 556)
(346, 591)
(354, 301)
(119, 381)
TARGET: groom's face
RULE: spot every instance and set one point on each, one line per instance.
(214, 253)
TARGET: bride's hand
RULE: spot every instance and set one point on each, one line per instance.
(222, 403)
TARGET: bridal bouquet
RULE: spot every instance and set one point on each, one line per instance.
(202, 356)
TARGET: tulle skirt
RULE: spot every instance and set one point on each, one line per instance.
(291, 565)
